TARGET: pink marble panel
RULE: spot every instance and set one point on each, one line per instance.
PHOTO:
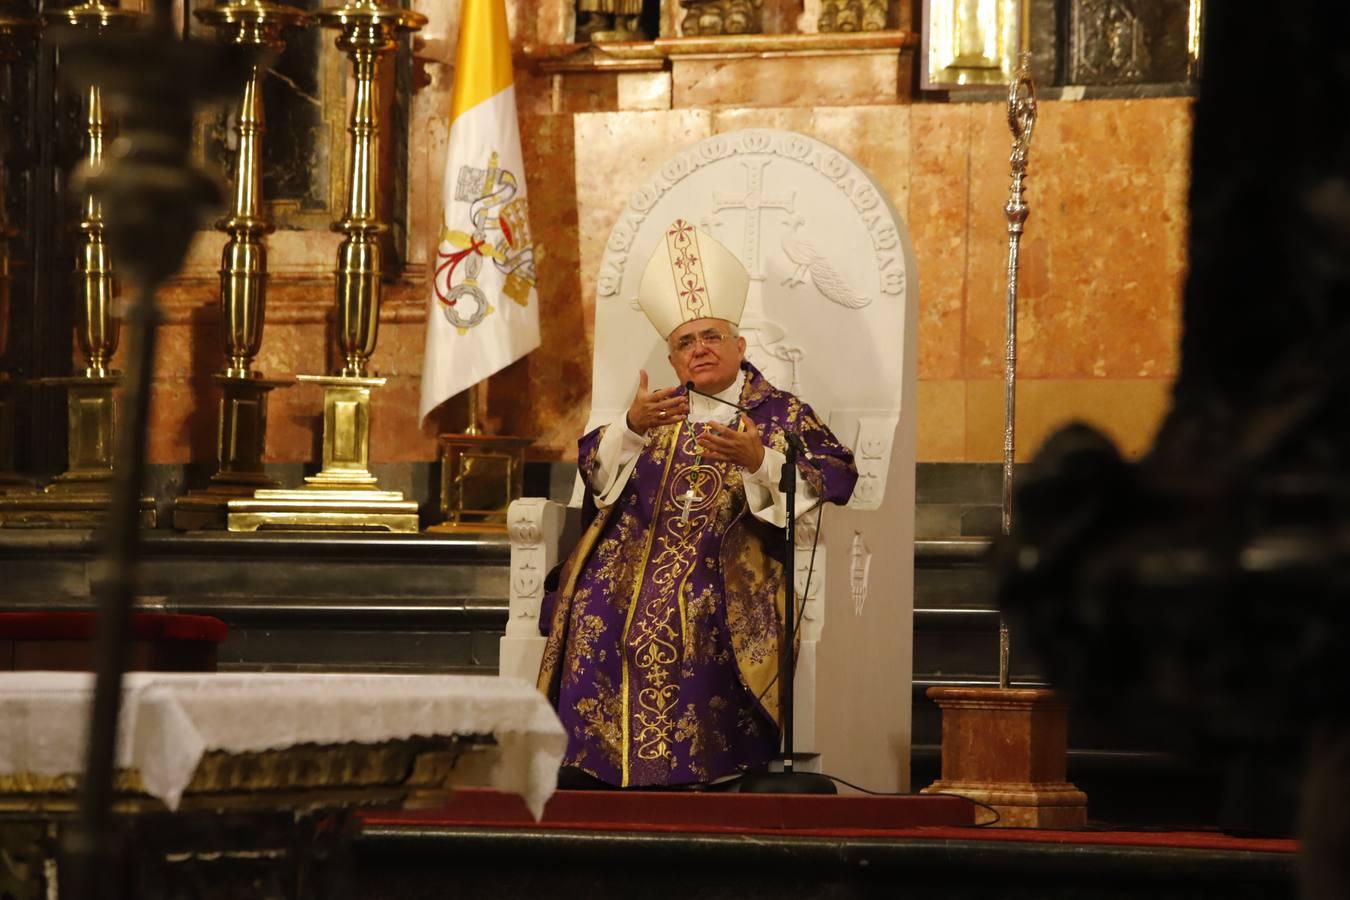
(1104, 246)
(939, 141)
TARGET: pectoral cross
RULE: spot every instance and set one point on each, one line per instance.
(692, 495)
(687, 500)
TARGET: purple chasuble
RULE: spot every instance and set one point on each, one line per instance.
(664, 629)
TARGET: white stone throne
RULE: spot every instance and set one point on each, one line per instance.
(831, 316)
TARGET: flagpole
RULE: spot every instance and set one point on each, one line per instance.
(484, 307)
(477, 407)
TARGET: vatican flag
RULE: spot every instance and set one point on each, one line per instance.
(484, 310)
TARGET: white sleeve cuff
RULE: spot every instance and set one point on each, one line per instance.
(765, 501)
(615, 459)
(632, 441)
(770, 468)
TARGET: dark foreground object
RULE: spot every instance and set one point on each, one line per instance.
(425, 861)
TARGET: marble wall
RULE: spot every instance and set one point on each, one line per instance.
(1103, 257)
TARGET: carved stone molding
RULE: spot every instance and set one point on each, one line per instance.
(808, 582)
(641, 55)
(733, 71)
(852, 182)
(709, 17)
(860, 570)
(290, 302)
(852, 15)
(872, 456)
(534, 526)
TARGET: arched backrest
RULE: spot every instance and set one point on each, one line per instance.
(831, 311)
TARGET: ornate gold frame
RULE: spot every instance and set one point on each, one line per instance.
(287, 213)
(970, 42)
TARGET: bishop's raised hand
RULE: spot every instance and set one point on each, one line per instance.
(742, 446)
(651, 409)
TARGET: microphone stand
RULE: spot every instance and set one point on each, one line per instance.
(788, 781)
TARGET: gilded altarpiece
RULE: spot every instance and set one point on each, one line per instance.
(41, 138)
(305, 146)
(931, 152)
(17, 45)
(1132, 41)
(303, 103)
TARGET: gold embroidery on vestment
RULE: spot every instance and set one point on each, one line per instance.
(632, 601)
(671, 556)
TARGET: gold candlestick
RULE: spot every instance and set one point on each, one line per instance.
(345, 495)
(79, 497)
(369, 31)
(241, 423)
(16, 36)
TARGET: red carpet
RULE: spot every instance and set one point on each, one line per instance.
(915, 817)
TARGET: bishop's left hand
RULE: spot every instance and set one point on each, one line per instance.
(742, 447)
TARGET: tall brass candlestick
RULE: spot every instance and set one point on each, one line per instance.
(1022, 121)
(345, 494)
(16, 35)
(79, 497)
(91, 403)
(369, 31)
(95, 327)
(241, 424)
(243, 266)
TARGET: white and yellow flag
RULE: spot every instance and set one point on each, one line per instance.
(484, 311)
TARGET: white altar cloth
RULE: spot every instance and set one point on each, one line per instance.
(170, 720)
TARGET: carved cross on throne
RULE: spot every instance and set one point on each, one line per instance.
(754, 202)
(761, 333)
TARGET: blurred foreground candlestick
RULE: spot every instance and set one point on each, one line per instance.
(152, 200)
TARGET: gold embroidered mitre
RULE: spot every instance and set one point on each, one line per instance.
(691, 276)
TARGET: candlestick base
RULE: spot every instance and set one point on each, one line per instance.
(241, 431)
(80, 496)
(10, 480)
(344, 495)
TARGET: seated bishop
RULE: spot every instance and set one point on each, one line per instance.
(664, 623)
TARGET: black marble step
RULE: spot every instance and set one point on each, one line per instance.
(54, 564)
(331, 602)
(413, 863)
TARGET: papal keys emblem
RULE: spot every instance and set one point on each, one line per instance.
(501, 232)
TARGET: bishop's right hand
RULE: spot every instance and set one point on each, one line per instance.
(654, 408)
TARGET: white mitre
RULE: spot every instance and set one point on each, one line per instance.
(691, 276)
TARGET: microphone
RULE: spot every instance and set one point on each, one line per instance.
(689, 386)
(794, 440)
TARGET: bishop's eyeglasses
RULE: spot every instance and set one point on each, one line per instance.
(712, 339)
